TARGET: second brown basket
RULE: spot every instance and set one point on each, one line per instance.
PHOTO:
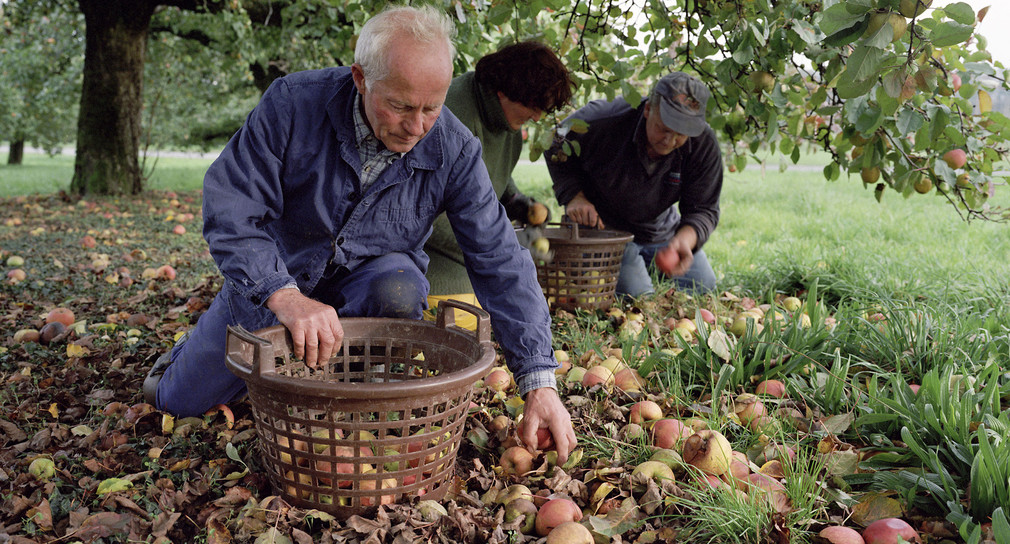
(379, 423)
(585, 267)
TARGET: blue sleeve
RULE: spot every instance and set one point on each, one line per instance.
(501, 271)
(243, 194)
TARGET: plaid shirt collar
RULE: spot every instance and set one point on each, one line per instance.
(369, 147)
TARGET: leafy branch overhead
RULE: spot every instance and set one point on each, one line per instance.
(888, 87)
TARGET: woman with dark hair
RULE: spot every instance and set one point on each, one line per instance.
(516, 84)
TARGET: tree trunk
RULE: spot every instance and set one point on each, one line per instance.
(16, 155)
(109, 122)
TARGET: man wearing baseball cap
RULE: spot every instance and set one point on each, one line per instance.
(654, 171)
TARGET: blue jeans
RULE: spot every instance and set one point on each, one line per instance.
(638, 265)
(198, 379)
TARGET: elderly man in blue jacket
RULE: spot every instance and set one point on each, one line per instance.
(319, 207)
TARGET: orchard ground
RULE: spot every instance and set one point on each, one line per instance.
(896, 293)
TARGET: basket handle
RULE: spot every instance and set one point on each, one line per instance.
(262, 360)
(566, 222)
(447, 317)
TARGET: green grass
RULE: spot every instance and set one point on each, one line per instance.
(778, 230)
(41, 174)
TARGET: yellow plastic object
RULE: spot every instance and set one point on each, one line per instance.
(463, 319)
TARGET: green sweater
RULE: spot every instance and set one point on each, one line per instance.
(480, 110)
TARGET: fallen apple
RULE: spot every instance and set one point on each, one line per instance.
(522, 507)
(516, 461)
(644, 411)
(669, 433)
(570, 532)
(165, 272)
(629, 380)
(24, 336)
(747, 407)
(837, 534)
(61, 315)
(545, 440)
(598, 375)
(708, 451)
(653, 470)
(887, 531)
(555, 512)
(42, 468)
(772, 388)
(498, 379)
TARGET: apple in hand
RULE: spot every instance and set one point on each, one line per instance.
(667, 260)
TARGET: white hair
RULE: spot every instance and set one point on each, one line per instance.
(426, 24)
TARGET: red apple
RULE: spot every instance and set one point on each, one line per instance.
(165, 272)
(629, 380)
(643, 411)
(555, 512)
(545, 440)
(773, 388)
(955, 158)
(669, 433)
(88, 241)
(837, 534)
(666, 260)
(179, 229)
(707, 316)
(887, 530)
(498, 379)
(16, 276)
(598, 375)
(62, 315)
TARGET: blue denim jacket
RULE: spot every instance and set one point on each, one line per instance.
(283, 200)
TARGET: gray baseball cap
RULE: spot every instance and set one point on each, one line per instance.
(682, 101)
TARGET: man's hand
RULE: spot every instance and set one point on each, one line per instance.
(315, 328)
(544, 409)
(582, 211)
(675, 259)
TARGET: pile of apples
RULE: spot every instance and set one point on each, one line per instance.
(686, 452)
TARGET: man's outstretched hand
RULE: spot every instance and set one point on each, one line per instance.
(544, 410)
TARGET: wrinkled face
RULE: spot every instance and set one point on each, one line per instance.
(402, 108)
(662, 139)
(516, 113)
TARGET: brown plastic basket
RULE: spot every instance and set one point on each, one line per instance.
(584, 270)
(379, 423)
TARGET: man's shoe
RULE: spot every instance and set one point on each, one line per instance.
(154, 377)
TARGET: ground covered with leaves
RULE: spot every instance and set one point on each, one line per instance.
(83, 458)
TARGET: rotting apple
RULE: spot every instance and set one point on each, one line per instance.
(516, 461)
(25, 336)
(709, 451)
(522, 507)
(748, 406)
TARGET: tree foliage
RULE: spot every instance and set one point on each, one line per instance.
(887, 89)
(41, 49)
